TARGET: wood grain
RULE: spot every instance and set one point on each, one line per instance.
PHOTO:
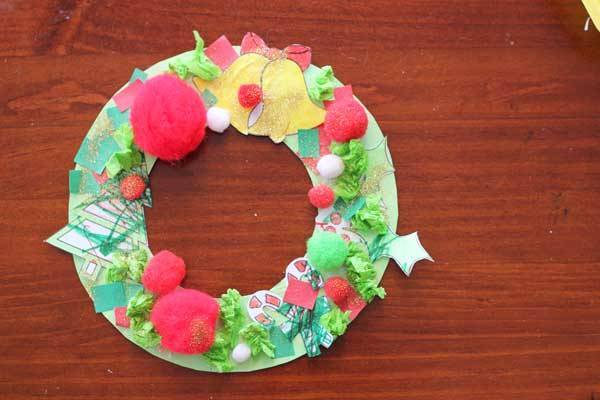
(492, 109)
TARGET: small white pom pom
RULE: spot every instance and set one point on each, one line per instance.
(218, 119)
(241, 353)
(330, 166)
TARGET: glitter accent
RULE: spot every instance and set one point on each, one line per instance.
(373, 180)
(199, 332)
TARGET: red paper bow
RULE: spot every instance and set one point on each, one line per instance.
(301, 55)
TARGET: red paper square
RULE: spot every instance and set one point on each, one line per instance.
(354, 304)
(124, 99)
(121, 317)
(300, 293)
(221, 52)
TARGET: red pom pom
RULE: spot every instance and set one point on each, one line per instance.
(168, 118)
(341, 292)
(338, 289)
(186, 320)
(345, 120)
(321, 196)
(132, 187)
(164, 272)
(249, 95)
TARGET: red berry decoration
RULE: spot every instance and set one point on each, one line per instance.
(186, 320)
(164, 273)
(345, 120)
(338, 289)
(132, 187)
(321, 196)
(341, 292)
(249, 95)
(168, 118)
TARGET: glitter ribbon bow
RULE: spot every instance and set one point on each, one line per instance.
(301, 55)
(307, 323)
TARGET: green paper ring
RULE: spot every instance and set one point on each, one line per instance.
(379, 153)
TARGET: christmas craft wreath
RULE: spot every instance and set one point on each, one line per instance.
(163, 112)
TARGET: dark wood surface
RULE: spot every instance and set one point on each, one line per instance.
(492, 109)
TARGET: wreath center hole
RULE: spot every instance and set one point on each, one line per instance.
(235, 210)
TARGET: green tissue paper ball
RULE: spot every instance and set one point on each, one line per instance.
(326, 251)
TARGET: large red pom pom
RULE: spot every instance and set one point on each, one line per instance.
(345, 120)
(168, 118)
(186, 320)
(164, 272)
(321, 196)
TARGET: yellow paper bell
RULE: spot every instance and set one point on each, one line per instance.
(286, 106)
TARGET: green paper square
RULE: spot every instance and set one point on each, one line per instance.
(94, 153)
(138, 74)
(117, 117)
(308, 143)
(354, 207)
(131, 289)
(348, 210)
(209, 98)
(82, 182)
(283, 346)
(106, 297)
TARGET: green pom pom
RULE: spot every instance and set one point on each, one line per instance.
(326, 251)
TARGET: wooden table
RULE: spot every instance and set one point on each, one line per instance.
(492, 110)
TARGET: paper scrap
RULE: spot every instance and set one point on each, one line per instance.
(405, 250)
(221, 52)
(117, 118)
(283, 346)
(82, 182)
(125, 98)
(307, 323)
(349, 210)
(90, 268)
(106, 297)
(308, 143)
(121, 318)
(209, 98)
(258, 304)
(300, 293)
(138, 74)
(98, 229)
(354, 304)
(95, 152)
(132, 289)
